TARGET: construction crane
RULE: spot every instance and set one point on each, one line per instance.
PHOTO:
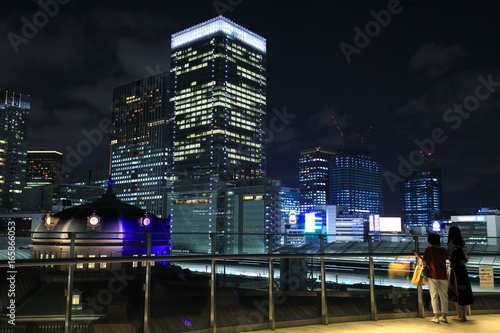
(361, 137)
(429, 158)
(343, 134)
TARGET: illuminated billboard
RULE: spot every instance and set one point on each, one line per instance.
(436, 226)
(313, 222)
(390, 224)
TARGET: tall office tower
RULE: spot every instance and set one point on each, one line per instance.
(14, 108)
(218, 71)
(139, 142)
(421, 198)
(43, 168)
(313, 177)
(356, 181)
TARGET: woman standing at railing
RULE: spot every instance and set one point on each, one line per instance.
(460, 290)
(435, 259)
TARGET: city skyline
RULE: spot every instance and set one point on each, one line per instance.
(407, 78)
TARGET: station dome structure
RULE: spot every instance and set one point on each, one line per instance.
(105, 228)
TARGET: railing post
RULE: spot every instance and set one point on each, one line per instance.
(69, 285)
(272, 320)
(324, 304)
(147, 286)
(213, 319)
(373, 300)
(420, 291)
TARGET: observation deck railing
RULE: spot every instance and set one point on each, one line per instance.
(82, 285)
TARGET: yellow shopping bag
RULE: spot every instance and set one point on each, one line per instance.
(418, 279)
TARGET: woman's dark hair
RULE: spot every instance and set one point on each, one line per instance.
(455, 235)
(434, 239)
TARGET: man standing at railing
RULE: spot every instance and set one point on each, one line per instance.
(435, 259)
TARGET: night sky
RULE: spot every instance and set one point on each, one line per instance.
(429, 72)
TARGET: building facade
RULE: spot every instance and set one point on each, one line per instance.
(314, 179)
(290, 205)
(421, 198)
(253, 208)
(218, 80)
(13, 133)
(43, 168)
(356, 181)
(93, 177)
(483, 228)
(139, 142)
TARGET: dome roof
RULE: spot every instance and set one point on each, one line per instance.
(111, 214)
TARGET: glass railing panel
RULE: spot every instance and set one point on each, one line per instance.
(180, 296)
(394, 292)
(347, 286)
(242, 293)
(297, 294)
(109, 294)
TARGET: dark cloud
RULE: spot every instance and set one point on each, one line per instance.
(142, 59)
(435, 60)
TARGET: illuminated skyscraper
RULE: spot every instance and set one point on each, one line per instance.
(356, 181)
(139, 142)
(14, 108)
(218, 71)
(314, 177)
(350, 178)
(421, 197)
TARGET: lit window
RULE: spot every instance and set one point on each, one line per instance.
(103, 264)
(79, 265)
